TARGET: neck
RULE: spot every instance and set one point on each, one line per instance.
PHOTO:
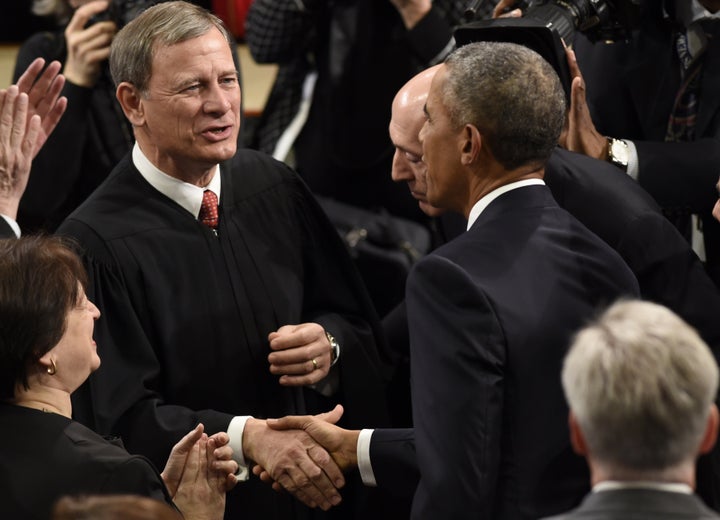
(683, 473)
(485, 183)
(46, 399)
(196, 174)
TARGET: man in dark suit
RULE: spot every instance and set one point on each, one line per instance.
(634, 88)
(29, 112)
(641, 386)
(490, 313)
(611, 205)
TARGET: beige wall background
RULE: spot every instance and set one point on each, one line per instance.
(257, 79)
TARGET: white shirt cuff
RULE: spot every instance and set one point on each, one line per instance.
(633, 166)
(12, 224)
(235, 432)
(363, 457)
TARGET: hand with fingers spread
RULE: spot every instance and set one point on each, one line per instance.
(296, 462)
(301, 354)
(29, 112)
(88, 46)
(43, 88)
(580, 134)
(340, 443)
(17, 138)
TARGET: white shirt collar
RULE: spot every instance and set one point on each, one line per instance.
(612, 485)
(186, 195)
(14, 225)
(485, 201)
(687, 12)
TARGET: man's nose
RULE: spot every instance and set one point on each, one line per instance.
(400, 170)
(218, 100)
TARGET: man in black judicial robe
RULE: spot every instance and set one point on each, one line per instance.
(188, 310)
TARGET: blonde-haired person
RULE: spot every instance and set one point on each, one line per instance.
(641, 385)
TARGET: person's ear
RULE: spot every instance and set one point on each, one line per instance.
(577, 439)
(711, 431)
(132, 102)
(470, 145)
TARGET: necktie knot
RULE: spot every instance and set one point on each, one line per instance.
(209, 209)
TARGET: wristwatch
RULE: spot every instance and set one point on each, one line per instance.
(618, 153)
(335, 354)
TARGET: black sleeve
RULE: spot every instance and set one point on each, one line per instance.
(57, 166)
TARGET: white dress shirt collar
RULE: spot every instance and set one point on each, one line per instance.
(612, 485)
(485, 201)
(186, 195)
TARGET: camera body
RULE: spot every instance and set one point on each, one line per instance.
(598, 20)
(123, 12)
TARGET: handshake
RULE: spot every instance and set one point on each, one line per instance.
(303, 455)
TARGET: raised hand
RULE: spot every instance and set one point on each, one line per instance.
(580, 134)
(17, 148)
(43, 92)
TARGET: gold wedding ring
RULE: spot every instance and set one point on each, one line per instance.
(315, 365)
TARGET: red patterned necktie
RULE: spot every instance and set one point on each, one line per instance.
(209, 210)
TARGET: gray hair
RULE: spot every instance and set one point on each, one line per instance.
(511, 94)
(133, 48)
(60, 9)
(641, 383)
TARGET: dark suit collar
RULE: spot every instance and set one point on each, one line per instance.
(534, 196)
(645, 500)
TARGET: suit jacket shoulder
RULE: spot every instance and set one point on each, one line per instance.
(639, 504)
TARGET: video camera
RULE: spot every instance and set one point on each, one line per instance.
(123, 12)
(598, 20)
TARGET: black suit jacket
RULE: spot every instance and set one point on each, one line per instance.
(631, 88)
(639, 504)
(46, 456)
(491, 315)
(627, 218)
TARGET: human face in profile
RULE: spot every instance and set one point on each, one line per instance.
(442, 143)
(75, 355)
(407, 165)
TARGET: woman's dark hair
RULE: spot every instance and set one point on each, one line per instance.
(39, 278)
